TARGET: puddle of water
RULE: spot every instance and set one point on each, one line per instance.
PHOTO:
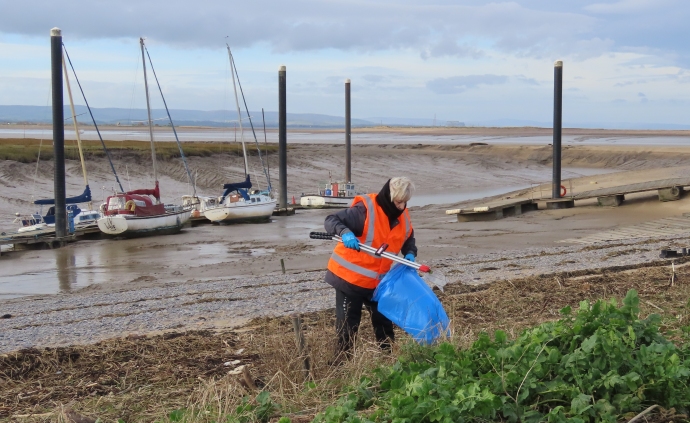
(357, 138)
(256, 252)
(121, 261)
(51, 271)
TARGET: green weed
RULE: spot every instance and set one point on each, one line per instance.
(595, 365)
(28, 150)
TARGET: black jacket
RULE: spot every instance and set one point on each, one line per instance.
(352, 220)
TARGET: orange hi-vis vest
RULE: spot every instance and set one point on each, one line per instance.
(363, 269)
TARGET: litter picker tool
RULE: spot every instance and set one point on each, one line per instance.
(437, 278)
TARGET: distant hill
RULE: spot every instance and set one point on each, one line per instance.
(113, 116)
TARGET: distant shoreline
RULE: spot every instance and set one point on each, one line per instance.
(519, 131)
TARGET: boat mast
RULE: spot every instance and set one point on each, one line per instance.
(76, 128)
(148, 110)
(239, 113)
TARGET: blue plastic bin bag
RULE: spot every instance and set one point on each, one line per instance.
(407, 301)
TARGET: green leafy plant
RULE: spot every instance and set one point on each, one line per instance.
(590, 366)
(259, 410)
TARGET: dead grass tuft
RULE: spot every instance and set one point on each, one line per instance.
(142, 380)
(26, 150)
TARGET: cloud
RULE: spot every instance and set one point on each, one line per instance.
(624, 6)
(374, 79)
(458, 84)
(434, 29)
(448, 47)
(525, 80)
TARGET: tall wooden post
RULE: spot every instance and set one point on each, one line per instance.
(348, 142)
(58, 132)
(282, 138)
(557, 127)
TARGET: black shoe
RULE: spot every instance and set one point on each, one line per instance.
(340, 358)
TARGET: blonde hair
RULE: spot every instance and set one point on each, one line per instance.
(401, 188)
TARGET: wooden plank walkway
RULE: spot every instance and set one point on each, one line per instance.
(611, 196)
(632, 188)
(46, 236)
(496, 209)
(656, 228)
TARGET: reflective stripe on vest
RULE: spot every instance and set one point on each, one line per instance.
(407, 223)
(360, 268)
(353, 267)
(372, 220)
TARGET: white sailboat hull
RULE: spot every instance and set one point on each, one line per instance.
(241, 211)
(322, 202)
(35, 227)
(132, 226)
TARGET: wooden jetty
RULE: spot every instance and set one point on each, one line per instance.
(45, 238)
(668, 190)
(493, 210)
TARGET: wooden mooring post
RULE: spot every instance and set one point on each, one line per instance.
(301, 344)
(58, 132)
(282, 209)
(348, 131)
(557, 125)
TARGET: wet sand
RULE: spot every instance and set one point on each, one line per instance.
(117, 274)
(443, 175)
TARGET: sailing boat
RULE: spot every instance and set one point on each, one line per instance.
(80, 217)
(238, 202)
(140, 212)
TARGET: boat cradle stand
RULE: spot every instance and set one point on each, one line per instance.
(494, 210)
(285, 211)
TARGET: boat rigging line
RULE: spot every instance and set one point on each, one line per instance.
(268, 164)
(239, 114)
(244, 100)
(172, 125)
(148, 110)
(76, 127)
(107, 153)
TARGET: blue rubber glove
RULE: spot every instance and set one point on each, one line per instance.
(410, 257)
(350, 241)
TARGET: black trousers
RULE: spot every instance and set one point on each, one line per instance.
(348, 315)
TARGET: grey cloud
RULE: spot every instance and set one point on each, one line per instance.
(525, 80)
(534, 28)
(681, 77)
(458, 84)
(624, 6)
(373, 78)
(635, 82)
(449, 47)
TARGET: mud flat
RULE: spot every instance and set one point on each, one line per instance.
(214, 276)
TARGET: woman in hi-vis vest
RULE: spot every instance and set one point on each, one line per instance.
(373, 219)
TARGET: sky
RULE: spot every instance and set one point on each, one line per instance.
(624, 61)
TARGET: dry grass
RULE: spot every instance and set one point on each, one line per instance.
(27, 150)
(144, 379)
